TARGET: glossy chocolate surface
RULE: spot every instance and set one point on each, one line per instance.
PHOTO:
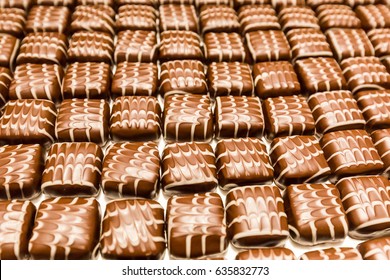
(180, 44)
(375, 106)
(224, 47)
(178, 17)
(93, 18)
(333, 253)
(257, 17)
(375, 249)
(12, 21)
(47, 19)
(136, 17)
(221, 18)
(275, 253)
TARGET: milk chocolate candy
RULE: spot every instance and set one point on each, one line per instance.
(135, 118)
(180, 44)
(93, 18)
(153, 3)
(297, 17)
(351, 152)
(255, 217)
(131, 169)
(238, 116)
(47, 19)
(274, 79)
(65, 229)
(380, 39)
(176, 2)
(182, 76)
(136, 17)
(224, 47)
(196, 226)
(229, 78)
(221, 18)
(315, 214)
(201, 3)
(268, 45)
(21, 4)
(178, 17)
(188, 168)
(269, 254)
(133, 229)
(5, 81)
(320, 74)
(240, 3)
(87, 46)
(279, 4)
(66, 3)
(242, 161)
(257, 17)
(17, 219)
(366, 200)
(8, 49)
(365, 73)
(347, 43)
(12, 21)
(20, 171)
(333, 254)
(375, 106)
(386, 63)
(354, 3)
(28, 121)
(286, 116)
(298, 159)
(381, 140)
(337, 16)
(308, 42)
(335, 110)
(374, 16)
(315, 4)
(136, 46)
(375, 249)
(109, 3)
(37, 81)
(134, 78)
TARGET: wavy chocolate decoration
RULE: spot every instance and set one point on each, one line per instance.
(375, 249)
(136, 46)
(133, 229)
(317, 4)
(295, 17)
(67, 3)
(99, 18)
(381, 140)
(65, 229)
(218, 18)
(222, 46)
(375, 106)
(374, 16)
(178, 17)
(380, 41)
(337, 16)
(47, 19)
(16, 223)
(257, 17)
(196, 226)
(153, 3)
(281, 4)
(5, 82)
(315, 214)
(108, 3)
(136, 17)
(12, 21)
(255, 217)
(275, 253)
(9, 48)
(180, 44)
(131, 169)
(21, 4)
(333, 253)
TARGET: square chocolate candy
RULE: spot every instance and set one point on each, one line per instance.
(257, 17)
(274, 79)
(72, 169)
(87, 80)
(188, 168)
(242, 161)
(134, 78)
(238, 116)
(374, 16)
(65, 229)
(320, 74)
(136, 17)
(12, 21)
(17, 220)
(337, 16)
(8, 49)
(47, 19)
(381, 140)
(5, 82)
(136, 46)
(333, 253)
(133, 229)
(178, 17)
(294, 17)
(287, 116)
(315, 214)
(255, 217)
(83, 120)
(380, 39)
(298, 159)
(37, 81)
(135, 118)
(224, 47)
(365, 73)
(375, 249)
(182, 76)
(196, 226)
(375, 105)
(43, 47)
(180, 44)
(131, 169)
(20, 171)
(275, 253)
(268, 45)
(335, 110)
(229, 78)
(351, 152)
(366, 200)
(218, 18)
(347, 43)
(87, 46)
(21, 4)
(28, 121)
